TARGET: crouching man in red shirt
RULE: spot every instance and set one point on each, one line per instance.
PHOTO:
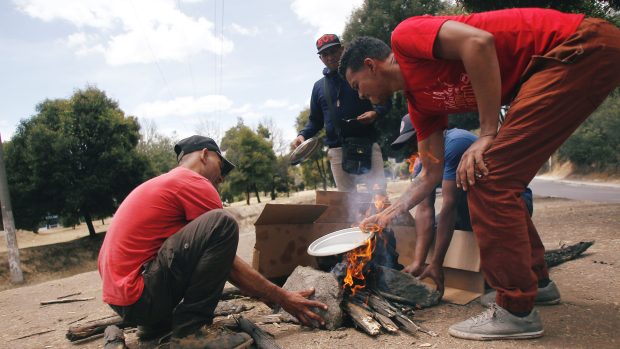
(553, 69)
(171, 248)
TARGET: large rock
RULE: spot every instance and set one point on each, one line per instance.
(402, 287)
(327, 291)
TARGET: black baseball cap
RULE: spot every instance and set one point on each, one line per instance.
(195, 143)
(326, 41)
(406, 133)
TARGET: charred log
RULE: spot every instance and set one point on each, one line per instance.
(566, 253)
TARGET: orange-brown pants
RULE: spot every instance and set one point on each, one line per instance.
(559, 91)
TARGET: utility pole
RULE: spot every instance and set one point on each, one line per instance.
(9, 224)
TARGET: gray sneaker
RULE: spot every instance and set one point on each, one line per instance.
(548, 295)
(497, 323)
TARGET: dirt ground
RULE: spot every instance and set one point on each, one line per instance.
(588, 317)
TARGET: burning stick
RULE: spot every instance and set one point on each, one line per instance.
(386, 323)
(363, 318)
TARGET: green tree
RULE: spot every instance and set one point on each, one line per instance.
(74, 157)
(157, 149)
(607, 9)
(315, 170)
(595, 146)
(254, 160)
(378, 19)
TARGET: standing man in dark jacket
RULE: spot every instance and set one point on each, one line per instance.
(355, 118)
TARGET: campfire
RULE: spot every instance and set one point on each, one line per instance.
(374, 288)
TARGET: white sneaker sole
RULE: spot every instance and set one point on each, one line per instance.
(490, 337)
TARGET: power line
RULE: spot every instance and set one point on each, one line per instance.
(215, 58)
(148, 45)
(222, 50)
(188, 60)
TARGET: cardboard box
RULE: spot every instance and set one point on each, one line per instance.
(284, 232)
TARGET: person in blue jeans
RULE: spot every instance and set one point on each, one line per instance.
(454, 212)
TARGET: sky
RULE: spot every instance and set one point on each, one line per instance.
(181, 65)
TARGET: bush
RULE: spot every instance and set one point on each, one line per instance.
(595, 146)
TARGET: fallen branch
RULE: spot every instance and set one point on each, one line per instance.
(69, 295)
(261, 338)
(67, 300)
(78, 319)
(566, 253)
(93, 328)
(31, 335)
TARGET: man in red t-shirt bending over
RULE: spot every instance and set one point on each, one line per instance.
(552, 68)
(171, 248)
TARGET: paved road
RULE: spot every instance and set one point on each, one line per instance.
(576, 190)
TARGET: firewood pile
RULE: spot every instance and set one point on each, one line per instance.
(374, 314)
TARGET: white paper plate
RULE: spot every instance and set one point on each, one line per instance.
(340, 241)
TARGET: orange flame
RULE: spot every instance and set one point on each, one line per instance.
(411, 160)
(356, 261)
(358, 258)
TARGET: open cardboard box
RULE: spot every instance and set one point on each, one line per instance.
(284, 232)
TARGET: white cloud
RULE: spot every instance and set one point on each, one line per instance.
(275, 103)
(137, 31)
(328, 16)
(247, 112)
(239, 29)
(184, 106)
(84, 44)
(295, 107)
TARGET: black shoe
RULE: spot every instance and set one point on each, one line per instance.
(149, 332)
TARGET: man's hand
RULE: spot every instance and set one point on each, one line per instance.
(414, 269)
(435, 272)
(472, 166)
(381, 219)
(368, 117)
(298, 305)
(297, 141)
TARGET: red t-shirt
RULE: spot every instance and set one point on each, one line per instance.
(436, 88)
(149, 215)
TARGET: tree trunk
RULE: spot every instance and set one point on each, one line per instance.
(89, 223)
(9, 224)
(247, 196)
(256, 192)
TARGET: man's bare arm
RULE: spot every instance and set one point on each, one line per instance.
(476, 49)
(424, 218)
(445, 230)
(447, 219)
(252, 283)
(431, 154)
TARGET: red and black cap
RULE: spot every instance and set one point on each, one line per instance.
(326, 41)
